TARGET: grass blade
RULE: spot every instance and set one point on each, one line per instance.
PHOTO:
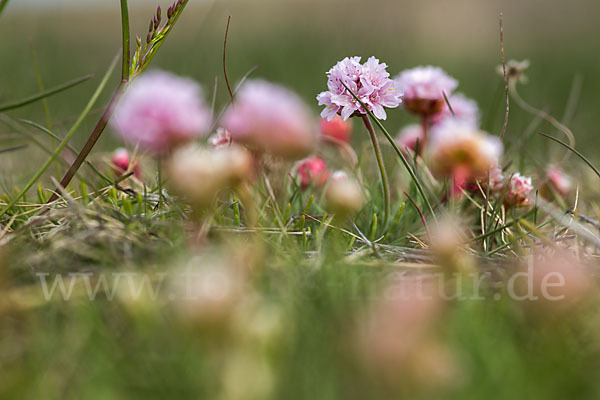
(577, 153)
(44, 94)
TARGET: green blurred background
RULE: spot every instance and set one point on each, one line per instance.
(295, 42)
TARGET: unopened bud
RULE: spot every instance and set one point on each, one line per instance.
(344, 195)
(170, 12)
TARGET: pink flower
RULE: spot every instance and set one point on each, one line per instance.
(424, 89)
(312, 171)
(518, 191)
(409, 136)
(337, 129)
(559, 181)
(271, 119)
(121, 162)
(161, 111)
(369, 81)
(464, 109)
(457, 146)
(222, 138)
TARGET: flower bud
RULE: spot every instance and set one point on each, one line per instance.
(312, 172)
(344, 195)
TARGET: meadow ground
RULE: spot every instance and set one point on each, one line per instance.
(295, 303)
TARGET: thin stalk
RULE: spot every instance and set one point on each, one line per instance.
(425, 128)
(384, 178)
(64, 142)
(126, 46)
(108, 112)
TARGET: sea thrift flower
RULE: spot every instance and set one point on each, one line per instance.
(409, 136)
(199, 174)
(121, 160)
(519, 188)
(459, 150)
(369, 81)
(424, 89)
(558, 181)
(161, 111)
(336, 129)
(344, 194)
(270, 118)
(312, 171)
(464, 109)
(222, 138)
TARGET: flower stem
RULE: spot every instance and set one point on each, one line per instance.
(425, 128)
(384, 178)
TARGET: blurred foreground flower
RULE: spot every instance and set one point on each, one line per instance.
(199, 174)
(423, 89)
(161, 111)
(519, 188)
(121, 160)
(369, 81)
(460, 151)
(397, 342)
(336, 129)
(312, 172)
(272, 119)
(344, 195)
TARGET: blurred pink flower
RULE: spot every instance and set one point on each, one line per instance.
(408, 137)
(161, 111)
(464, 109)
(336, 129)
(222, 138)
(369, 81)
(457, 147)
(312, 171)
(272, 119)
(558, 180)
(423, 89)
(121, 162)
(518, 191)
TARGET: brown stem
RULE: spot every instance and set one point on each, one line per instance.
(87, 148)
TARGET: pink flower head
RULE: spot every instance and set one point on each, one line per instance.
(559, 181)
(424, 89)
(160, 111)
(336, 129)
(369, 81)
(518, 191)
(222, 138)
(312, 171)
(121, 162)
(464, 109)
(409, 136)
(271, 119)
(457, 147)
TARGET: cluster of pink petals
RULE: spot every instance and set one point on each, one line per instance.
(464, 109)
(519, 189)
(161, 111)
(423, 89)
(312, 171)
(336, 129)
(222, 138)
(458, 146)
(272, 119)
(370, 82)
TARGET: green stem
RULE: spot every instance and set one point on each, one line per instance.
(384, 178)
(126, 47)
(3, 4)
